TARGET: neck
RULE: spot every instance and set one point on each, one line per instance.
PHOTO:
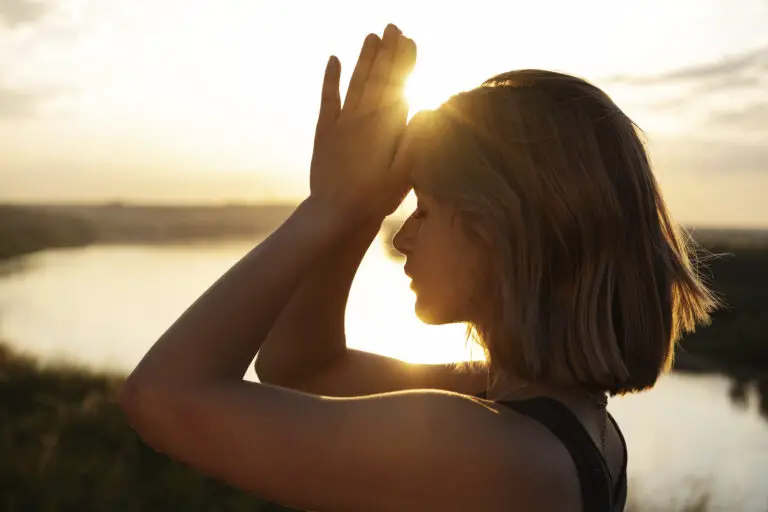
(502, 385)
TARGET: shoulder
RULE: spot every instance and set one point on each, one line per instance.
(531, 452)
(477, 440)
(410, 450)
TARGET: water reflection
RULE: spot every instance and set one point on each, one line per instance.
(13, 266)
(740, 388)
(744, 383)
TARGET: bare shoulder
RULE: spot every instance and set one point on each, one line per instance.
(404, 450)
(513, 459)
(546, 472)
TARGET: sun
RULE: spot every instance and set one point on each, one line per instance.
(426, 93)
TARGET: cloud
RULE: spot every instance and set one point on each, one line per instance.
(753, 117)
(20, 12)
(15, 103)
(708, 155)
(737, 70)
(724, 101)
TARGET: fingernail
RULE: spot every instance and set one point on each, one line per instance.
(391, 29)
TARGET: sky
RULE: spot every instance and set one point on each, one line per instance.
(164, 101)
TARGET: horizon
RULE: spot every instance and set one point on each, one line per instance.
(104, 101)
(398, 216)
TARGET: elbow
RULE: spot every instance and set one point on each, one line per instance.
(266, 374)
(164, 416)
(132, 400)
(267, 371)
(148, 409)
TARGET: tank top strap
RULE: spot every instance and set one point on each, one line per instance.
(597, 489)
(620, 487)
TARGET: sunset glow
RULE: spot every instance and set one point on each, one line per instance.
(214, 102)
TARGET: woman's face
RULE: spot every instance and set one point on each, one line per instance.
(443, 265)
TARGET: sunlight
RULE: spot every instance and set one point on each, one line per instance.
(427, 92)
(381, 319)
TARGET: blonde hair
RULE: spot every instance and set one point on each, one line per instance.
(592, 281)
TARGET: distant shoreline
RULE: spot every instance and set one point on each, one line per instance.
(736, 344)
(25, 229)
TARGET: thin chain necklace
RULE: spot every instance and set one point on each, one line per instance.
(600, 400)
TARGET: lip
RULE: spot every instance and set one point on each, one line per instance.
(409, 272)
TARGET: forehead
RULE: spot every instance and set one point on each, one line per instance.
(424, 148)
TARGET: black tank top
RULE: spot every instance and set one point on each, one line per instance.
(598, 492)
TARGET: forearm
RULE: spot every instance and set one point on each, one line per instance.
(220, 333)
(309, 332)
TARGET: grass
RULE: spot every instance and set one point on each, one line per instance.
(66, 445)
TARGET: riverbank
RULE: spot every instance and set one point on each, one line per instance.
(735, 343)
(26, 229)
(66, 446)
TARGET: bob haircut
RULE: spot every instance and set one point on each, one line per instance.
(591, 280)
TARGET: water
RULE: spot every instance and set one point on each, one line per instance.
(103, 306)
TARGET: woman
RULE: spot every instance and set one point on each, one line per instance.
(539, 225)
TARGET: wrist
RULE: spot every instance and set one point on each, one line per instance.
(338, 221)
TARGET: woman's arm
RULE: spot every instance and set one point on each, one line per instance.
(218, 335)
(309, 334)
(403, 451)
(306, 347)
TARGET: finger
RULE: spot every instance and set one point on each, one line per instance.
(330, 101)
(382, 67)
(405, 145)
(401, 68)
(360, 75)
(409, 140)
(394, 115)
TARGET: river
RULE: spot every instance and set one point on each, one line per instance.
(103, 306)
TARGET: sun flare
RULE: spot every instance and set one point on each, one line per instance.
(425, 94)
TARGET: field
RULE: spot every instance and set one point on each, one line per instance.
(66, 446)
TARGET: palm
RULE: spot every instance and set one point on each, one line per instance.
(355, 144)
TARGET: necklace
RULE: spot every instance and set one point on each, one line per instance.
(598, 399)
(601, 401)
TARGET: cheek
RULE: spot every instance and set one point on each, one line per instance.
(444, 295)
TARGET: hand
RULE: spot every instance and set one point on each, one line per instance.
(351, 172)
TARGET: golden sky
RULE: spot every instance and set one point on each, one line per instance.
(215, 101)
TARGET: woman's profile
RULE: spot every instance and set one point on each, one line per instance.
(539, 225)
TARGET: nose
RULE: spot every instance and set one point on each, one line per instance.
(403, 239)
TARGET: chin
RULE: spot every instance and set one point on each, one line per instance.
(432, 315)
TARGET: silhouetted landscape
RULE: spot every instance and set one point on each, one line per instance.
(737, 261)
(66, 445)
